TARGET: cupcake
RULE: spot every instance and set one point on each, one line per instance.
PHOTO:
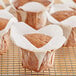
(32, 12)
(35, 14)
(38, 46)
(66, 19)
(6, 20)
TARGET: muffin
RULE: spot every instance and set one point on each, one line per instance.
(6, 19)
(66, 20)
(38, 46)
(33, 14)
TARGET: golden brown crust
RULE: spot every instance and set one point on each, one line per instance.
(3, 23)
(62, 15)
(18, 3)
(38, 40)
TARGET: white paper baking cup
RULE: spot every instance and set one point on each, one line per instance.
(66, 24)
(18, 30)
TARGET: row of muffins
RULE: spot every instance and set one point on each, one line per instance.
(39, 43)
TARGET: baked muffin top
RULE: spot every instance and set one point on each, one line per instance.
(62, 15)
(38, 40)
(3, 23)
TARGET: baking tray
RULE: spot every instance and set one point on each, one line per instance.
(11, 63)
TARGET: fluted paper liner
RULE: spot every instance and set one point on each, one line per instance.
(6, 15)
(67, 24)
(18, 31)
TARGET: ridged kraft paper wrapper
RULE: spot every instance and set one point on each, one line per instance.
(68, 25)
(70, 3)
(18, 3)
(4, 29)
(43, 57)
